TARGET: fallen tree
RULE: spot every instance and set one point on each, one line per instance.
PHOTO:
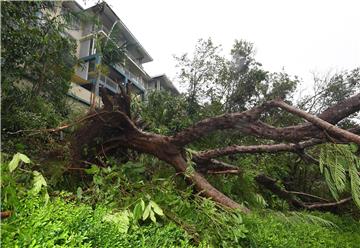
(114, 126)
(290, 196)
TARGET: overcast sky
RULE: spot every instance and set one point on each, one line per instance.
(300, 36)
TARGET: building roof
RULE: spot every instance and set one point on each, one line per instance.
(126, 32)
(168, 83)
(73, 5)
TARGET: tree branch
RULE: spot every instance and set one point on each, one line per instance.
(115, 128)
(213, 166)
(308, 195)
(270, 184)
(341, 110)
(300, 132)
(338, 132)
(316, 206)
(273, 148)
(248, 123)
(207, 126)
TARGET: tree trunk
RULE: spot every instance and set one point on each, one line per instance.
(161, 147)
(117, 128)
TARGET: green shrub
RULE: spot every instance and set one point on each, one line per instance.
(61, 223)
(301, 230)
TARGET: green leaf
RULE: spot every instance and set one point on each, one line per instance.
(98, 180)
(38, 182)
(355, 184)
(156, 208)
(46, 197)
(142, 204)
(152, 216)
(189, 170)
(14, 162)
(79, 192)
(92, 170)
(146, 212)
(331, 184)
(353, 147)
(260, 200)
(138, 210)
(24, 158)
(338, 174)
(120, 219)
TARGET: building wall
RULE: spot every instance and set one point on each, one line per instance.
(132, 71)
(80, 93)
(83, 95)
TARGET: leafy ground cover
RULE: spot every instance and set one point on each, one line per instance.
(137, 211)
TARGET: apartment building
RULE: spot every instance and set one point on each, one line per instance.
(88, 79)
(161, 82)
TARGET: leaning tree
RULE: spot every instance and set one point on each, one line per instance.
(114, 127)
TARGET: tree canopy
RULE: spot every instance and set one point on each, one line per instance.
(38, 60)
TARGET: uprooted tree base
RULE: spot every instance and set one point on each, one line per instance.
(113, 127)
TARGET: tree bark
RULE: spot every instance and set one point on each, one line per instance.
(117, 128)
(337, 132)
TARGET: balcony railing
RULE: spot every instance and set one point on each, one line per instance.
(137, 80)
(109, 84)
(106, 82)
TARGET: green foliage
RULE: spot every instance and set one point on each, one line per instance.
(61, 223)
(330, 89)
(17, 158)
(165, 113)
(295, 218)
(119, 219)
(201, 73)
(37, 62)
(33, 48)
(69, 224)
(108, 47)
(17, 182)
(201, 218)
(340, 167)
(117, 185)
(64, 223)
(142, 212)
(150, 210)
(104, 214)
(301, 230)
(38, 182)
(235, 84)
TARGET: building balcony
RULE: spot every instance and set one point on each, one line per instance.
(82, 94)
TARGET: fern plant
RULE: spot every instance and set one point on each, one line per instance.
(296, 218)
(340, 167)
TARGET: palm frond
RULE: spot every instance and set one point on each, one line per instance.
(308, 218)
(340, 167)
(355, 183)
(295, 218)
